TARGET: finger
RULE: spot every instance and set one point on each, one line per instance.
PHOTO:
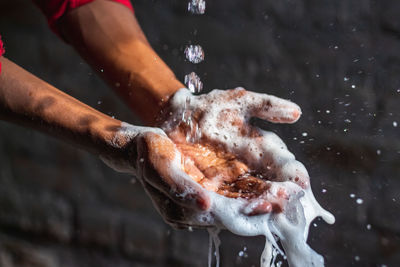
(168, 209)
(269, 155)
(175, 215)
(284, 167)
(295, 171)
(166, 173)
(257, 207)
(267, 107)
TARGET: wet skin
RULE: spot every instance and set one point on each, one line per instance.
(116, 44)
(214, 164)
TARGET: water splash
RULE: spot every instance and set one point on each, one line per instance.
(213, 234)
(194, 53)
(193, 83)
(197, 6)
(192, 131)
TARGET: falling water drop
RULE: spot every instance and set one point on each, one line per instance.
(197, 6)
(194, 53)
(193, 83)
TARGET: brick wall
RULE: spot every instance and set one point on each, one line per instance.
(60, 206)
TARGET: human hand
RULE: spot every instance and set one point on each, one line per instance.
(227, 155)
(152, 157)
(212, 147)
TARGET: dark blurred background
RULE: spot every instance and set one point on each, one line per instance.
(339, 60)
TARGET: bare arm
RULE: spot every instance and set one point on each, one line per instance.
(109, 37)
(28, 100)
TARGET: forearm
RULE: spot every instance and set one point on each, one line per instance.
(109, 37)
(27, 100)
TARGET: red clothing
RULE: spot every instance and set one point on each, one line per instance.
(2, 50)
(55, 9)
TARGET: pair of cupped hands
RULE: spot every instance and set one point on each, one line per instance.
(204, 143)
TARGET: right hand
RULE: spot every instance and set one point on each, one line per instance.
(213, 131)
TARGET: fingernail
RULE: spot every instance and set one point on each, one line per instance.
(296, 114)
(261, 208)
(202, 203)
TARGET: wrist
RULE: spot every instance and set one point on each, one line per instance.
(149, 85)
(125, 148)
(120, 144)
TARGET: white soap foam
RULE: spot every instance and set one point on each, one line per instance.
(266, 153)
(290, 227)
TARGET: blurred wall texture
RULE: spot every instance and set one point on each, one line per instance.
(338, 59)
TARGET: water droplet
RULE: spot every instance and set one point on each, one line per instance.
(304, 134)
(357, 258)
(368, 226)
(353, 86)
(345, 79)
(359, 201)
(99, 102)
(324, 190)
(194, 53)
(197, 6)
(347, 121)
(193, 83)
(378, 152)
(352, 195)
(328, 111)
(395, 124)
